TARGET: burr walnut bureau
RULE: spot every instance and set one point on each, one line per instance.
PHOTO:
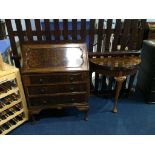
(55, 76)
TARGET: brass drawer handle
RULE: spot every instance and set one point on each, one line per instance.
(71, 78)
(42, 91)
(41, 80)
(71, 88)
(73, 100)
(44, 101)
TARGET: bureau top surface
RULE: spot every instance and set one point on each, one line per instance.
(54, 57)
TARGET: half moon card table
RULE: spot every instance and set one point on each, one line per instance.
(118, 67)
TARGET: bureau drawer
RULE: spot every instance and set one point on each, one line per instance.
(53, 78)
(61, 88)
(60, 99)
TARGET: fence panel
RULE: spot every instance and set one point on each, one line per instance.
(12, 42)
(91, 34)
(29, 30)
(117, 34)
(125, 34)
(56, 29)
(74, 29)
(65, 29)
(47, 29)
(96, 33)
(38, 29)
(19, 30)
(108, 34)
(83, 30)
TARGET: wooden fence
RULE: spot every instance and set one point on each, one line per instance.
(2, 30)
(98, 34)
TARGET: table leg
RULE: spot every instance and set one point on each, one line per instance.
(119, 81)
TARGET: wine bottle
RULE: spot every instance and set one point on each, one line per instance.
(10, 112)
(14, 97)
(19, 117)
(13, 122)
(1, 131)
(5, 101)
(11, 84)
(14, 119)
(17, 107)
(9, 124)
(3, 117)
(1, 106)
(2, 90)
(5, 113)
(4, 87)
(6, 126)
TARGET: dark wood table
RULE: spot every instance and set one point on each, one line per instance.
(118, 67)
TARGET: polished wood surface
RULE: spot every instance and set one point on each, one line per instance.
(56, 57)
(56, 76)
(117, 63)
(117, 67)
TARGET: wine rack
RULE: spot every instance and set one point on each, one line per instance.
(13, 108)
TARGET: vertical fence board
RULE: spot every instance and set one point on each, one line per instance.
(133, 34)
(125, 36)
(1, 30)
(28, 30)
(132, 45)
(108, 33)
(47, 29)
(99, 47)
(117, 33)
(83, 29)
(83, 38)
(38, 29)
(100, 35)
(141, 33)
(125, 41)
(12, 41)
(74, 29)
(91, 34)
(19, 30)
(65, 29)
(91, 42)
(56, 29)
(107, 43)
(136, 43)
